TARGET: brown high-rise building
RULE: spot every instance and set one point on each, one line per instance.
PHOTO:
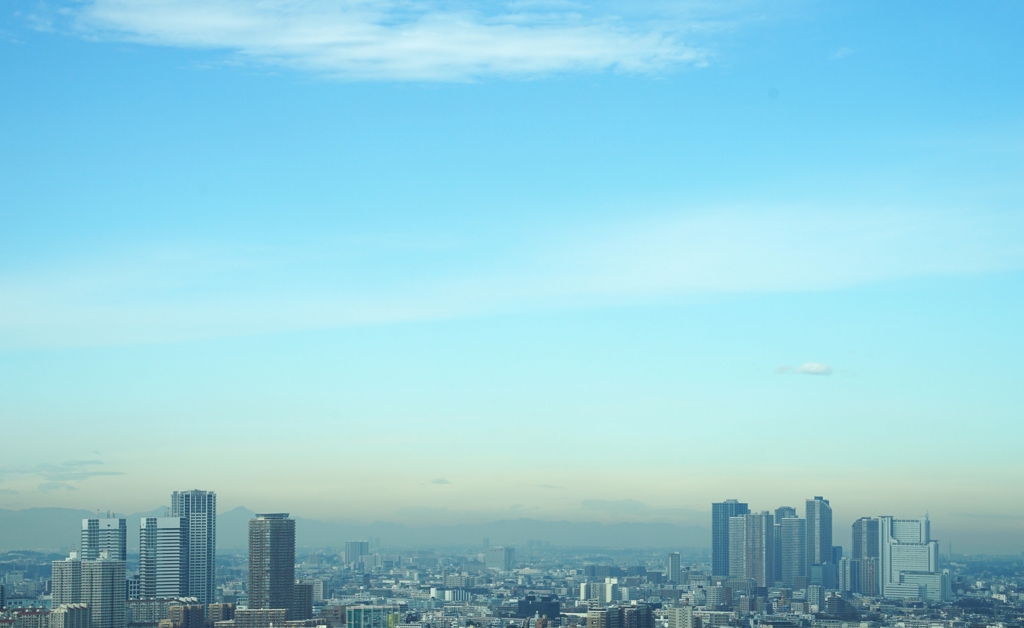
(219, 612)
(302, 602)
(186, 616)
(271, 561)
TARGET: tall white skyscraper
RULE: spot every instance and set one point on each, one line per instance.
(819, 531)
(103, 589)
(737, 546)
(721, 553)
(199, 509)
(66, 582)
(163, 557)
(673, 568)
(104, 535)
(909, 560)
(752, 548)
(794, 552)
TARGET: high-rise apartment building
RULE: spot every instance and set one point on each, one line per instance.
(302, 602)
(610, 617)
(271, 561)
(104, 591)
(355, 550)
(794, 552)
(909, 560)
(108, 535)
(219, 612)
(637, 616)
(759, 548)
(721, 513)
(865, 553)
(163, 557)
(373, 616)
(199, 510)
(783, 512)
(865, 538)
(187, 615)
(752, 548)
(259, 617)
(737, 547)
(500, 558)
(816, 598)
(66, 581)
(680, 617)
(849, 575)
(819, 531)
(71, 616)
(674, 568)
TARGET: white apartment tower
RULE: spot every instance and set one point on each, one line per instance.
(163, 557)
(66, 582)
(108, 535)
(103, 589)
(199, 510)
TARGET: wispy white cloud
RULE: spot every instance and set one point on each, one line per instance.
(403, 40)
(57, 476)
(172, 293)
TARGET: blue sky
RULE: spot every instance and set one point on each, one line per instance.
(552, 252)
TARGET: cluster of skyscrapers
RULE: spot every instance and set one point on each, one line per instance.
(892, 558)
(177, 561)
(177, 558)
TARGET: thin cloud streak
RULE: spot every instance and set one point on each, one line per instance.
(142, 297)
(387, 40)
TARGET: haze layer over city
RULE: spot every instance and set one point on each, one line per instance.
(556, 275)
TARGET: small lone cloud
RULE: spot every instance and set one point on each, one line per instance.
(842, 52)
(814, 368)
(439, 481)
(782, 370)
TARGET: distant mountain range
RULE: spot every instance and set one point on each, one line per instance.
(59, 528)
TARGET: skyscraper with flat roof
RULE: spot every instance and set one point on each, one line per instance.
(794, 552)
(819, 531)
(163, 557)
(199, 509)
(103, 589)
(108, 534)
(720, 514)
(909, 560)
(783, 512)
(737, 547)
(865, 538)
(66, 581)
(271, 561)
(501, 558)
(673, 568)
(355, 550)
(71, 616)
(759, 548)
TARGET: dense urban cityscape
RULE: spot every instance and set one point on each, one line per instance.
(770, 568)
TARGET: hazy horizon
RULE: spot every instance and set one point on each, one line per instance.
(467, 262)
